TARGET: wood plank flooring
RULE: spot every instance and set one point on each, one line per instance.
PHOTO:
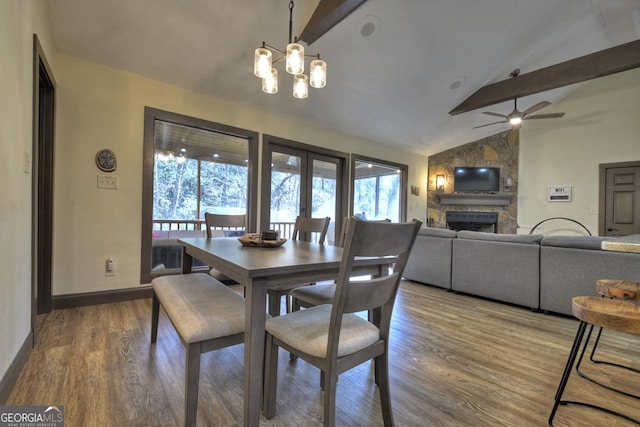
(455, 361)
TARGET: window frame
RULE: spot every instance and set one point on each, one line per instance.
(150, 117)
(404, 174)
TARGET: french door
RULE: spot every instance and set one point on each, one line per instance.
(301, 180)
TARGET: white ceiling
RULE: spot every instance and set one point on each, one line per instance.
(394, 86)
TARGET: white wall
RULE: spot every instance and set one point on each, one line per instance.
(100, 107)
(601, 125)
(19, 20)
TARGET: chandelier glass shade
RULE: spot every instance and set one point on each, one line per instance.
(262, 62)
(300, 86)
(294, 58)
(270, 82)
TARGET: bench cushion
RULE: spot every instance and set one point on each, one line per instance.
(200, 307)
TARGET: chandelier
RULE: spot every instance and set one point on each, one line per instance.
(294, 58)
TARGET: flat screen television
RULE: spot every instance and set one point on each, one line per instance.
(476, 179)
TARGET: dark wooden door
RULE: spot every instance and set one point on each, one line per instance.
(621, 199)
(42, 184)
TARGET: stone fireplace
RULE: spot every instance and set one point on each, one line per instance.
(500, 150)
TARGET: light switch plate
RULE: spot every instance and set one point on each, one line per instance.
(109, 182)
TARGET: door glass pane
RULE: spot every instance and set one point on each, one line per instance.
(376, 192)
(285, 192)
(194, 171)
(324, 194)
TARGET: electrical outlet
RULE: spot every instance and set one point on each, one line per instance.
(109, 267)
(594, 211)
(108, 181)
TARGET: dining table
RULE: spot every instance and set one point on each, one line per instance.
(292, 264)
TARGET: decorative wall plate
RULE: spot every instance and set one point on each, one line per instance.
(106, 160)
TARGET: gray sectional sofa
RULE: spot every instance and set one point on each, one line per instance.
(542, 273)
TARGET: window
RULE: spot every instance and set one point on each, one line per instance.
(191, 167)
(379, 189)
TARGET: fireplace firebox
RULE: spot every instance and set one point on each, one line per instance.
(474, 221)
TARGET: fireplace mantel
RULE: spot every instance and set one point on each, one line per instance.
(497, 199)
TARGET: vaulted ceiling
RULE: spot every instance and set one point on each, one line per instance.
(395, 68)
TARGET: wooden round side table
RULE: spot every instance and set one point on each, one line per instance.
(613, 314)
(614, 289)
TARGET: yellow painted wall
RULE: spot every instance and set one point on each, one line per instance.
(102, 107)
(19, 20)
(601, 125)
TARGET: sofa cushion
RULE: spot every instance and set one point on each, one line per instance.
(502, 269)
(576, 242)
(508, 238)
(437, 232)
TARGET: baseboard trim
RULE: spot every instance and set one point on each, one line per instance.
(103, 297)
(10, 378)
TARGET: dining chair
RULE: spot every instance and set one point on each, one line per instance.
(306, 296)
(228, 224)
(333, 337)
(311, 229)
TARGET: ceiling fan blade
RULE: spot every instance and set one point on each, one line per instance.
(545, 116)
(489, 124)
(326, 16)
(539, 106)
(504, 116)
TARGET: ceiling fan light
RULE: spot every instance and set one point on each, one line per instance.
(270, 83)
(300, 86)
(295, 58)
(318, 73)
(515, 120)
(262, 62)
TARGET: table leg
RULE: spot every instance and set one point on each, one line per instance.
(254, 333)
(187, 260)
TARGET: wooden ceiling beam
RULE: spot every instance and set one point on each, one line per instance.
(598, 64)
(326, 16)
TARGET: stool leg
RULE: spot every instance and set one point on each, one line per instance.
(586, 377)
(605, 362)
(565, 378)
(567, 369)
(584, 348)
(595, 345)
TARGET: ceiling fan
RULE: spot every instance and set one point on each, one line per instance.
(516, 117)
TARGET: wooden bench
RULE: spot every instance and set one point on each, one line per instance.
(207, 316)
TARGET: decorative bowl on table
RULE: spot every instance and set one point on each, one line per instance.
(257, 242)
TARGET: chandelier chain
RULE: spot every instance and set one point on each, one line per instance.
(291, 21)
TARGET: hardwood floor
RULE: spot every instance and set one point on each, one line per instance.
(456, 361)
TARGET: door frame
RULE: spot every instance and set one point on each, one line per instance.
(602, 192)
(269, 142)
(42, 170)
